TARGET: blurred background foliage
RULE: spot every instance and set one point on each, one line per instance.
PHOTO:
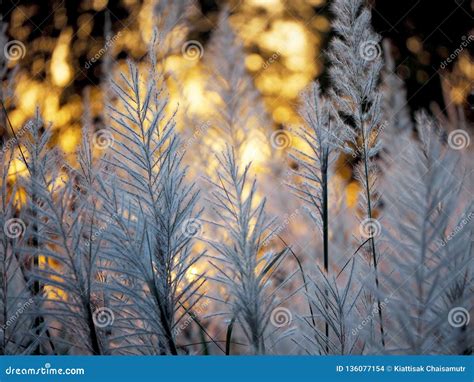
(283, 41)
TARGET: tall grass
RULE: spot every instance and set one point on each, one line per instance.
(120, 252)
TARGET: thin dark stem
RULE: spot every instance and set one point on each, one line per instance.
(162, 311)
(302, 276)
(37, 288)
(372, 241)
(325, 218)
(96, 348)
(201, 326)
(352, 256)
(15, 136)
(325, 213)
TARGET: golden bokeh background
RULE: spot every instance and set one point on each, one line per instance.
(282, 43)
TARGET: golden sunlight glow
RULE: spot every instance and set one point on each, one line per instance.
(322, 24)
(20, 197)
(30, 92)
(51, 106)
(254, 62)
(285, 36)
(316, 3)
(282, 114)
(352, 194)
(61, 71)
(17, 168)
(99, 5)
(195, 95)
(256, 150)
(52, 292)
(273, 6)
(466, 65)
(70, 139)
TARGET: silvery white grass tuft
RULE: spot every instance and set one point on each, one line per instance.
(54, 236)
(314, 165)
(355, 69)
(241, 265)
(15, 291)
(427, 274)
(335, 301)
(150, 203)
(240, 114)
(106, 256)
